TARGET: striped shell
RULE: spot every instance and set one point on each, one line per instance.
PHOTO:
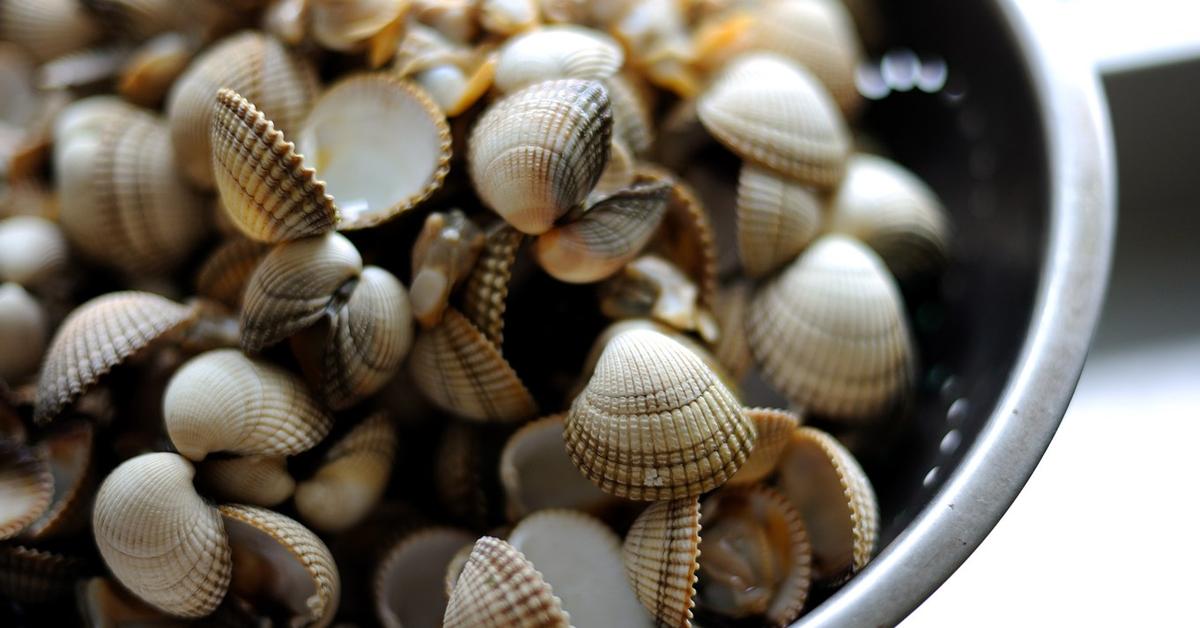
(97, 336)
(500, 588)
(618, 173)
(265, 187)
(34, 576)
(537, 473)
(47, 28)
(69, 455)
(686, 235)
(830, 333)
(224, 401)
(255, 480)
(655, 422)
(776, 219)
(694, 346)
(33, 251)
(226, 271)
(556, 52)
(159, 538)
(26, 486)
(351, 479)
(442, 257)
(537, 153)
(660, 554)
(22, 333)
(774, 428)
(732, 349)
(485, 296)
(407, 591)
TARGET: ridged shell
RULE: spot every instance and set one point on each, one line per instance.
(831, 333)
(485, 297)
(97, 336)
(407, 593)
(34, 576)
(294, 286)
(776, 219)
(443, 256)
(609, 235)
(556, 52)
(47, 28)
(660, 554)
(26, 486)
(23, 328)
(255, 480)
(774, 428)
(558, 543)
(732, 348)
(686, 234)
(286, 20)
(159, 538)
(633, 121)
(352, 478)
(655, 422)
(772, 112)
(537, 153)
(265, 187)
(618, 173)
(458, 369)
(651, 287)
(149, 72)
(500, 588)
(224, 274)
(32, 251)
(507, 17)
(351, 25)
(826, 484)
(224, 401)
(380, 144)
(537, 473)
(277, 558)
(68, 453)
(258, 67)
(894, 212)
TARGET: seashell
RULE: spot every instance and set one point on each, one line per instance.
(454, 568)
(660, 555)
(287, 20)
(772, 112)
(89, 69)
(294, 286)
(732, 349)
(776, 219)
(224, 274)
(28, 158)
(537, 473)
(894, 212)
(352, 478)
(535, 154)
(353, 25)
(159, 538)
(103, 603)
(278, 560)
(265, 187)
(34, 576)
(405, 592)
(609, 235)
(465, 474)
(374, 181)
(33, 251)
(686, 234)
(260, 68)
(556, 52)
(485, 297)
(500, 588)
(223, 401)
(507, 17)
(17, 69)
(618, 173)
(26, 487)
(651, 287)
(774, 429)
(458, 369)
(443, 256)
(655, 422)
(457, 86)
(47, 28)
(757, 556)
(254, 480)
(833, 495)
(558, 11)
(87, 117)
(456, 20)
(558, 542)
(97, 336)
(632, 118)
(137, 19)
(28, 197)
(830, 332)
(68, 454)
(22, 333)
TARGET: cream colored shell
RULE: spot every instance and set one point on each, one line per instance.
(33, 251)
(500, 588)
(68, 451)
(351, 480)
(774, 428)
(442, 257)
(485, 297)
(255, 480)
(776, 219)
(226, 271)
(26, 487)
(556, 52)
(407, 589)
(22, 333)
(660, 554)
(47, 28)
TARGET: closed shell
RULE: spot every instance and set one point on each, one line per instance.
(537, 473)
(47, 28)
(22, 333)
(660, 554)
(407, 593)
(26, 487)
(774, 428)
(556, 52)
(352, 478)
(485, 296)
(255, 480)
(651, 287)
(224, 274)
(33, 251)
(776, 219)
(500, 588)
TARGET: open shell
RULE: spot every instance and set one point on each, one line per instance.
(831, 333)
(537, 153)
(224, 401)
(22, 333)
(224, 274)
(485, 296)
(687, 342)
(26, 486)
(255, 480)
(651, 287)
(686, 235)
(68, 453)
(47, 28)
(159, 538)
(97, 336)
(556, 52)
(443, 256)
(500, 588)
(34, 576)
(407, 593)
(774, 428)
(776, 219)
(351, 481)
(655, 422)
(537, 473)
(33, 251)
(660, 554)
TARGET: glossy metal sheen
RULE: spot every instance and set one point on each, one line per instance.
(1070, 182)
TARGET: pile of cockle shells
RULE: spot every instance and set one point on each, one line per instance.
(297, 297)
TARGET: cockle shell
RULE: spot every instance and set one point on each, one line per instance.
(458, 369)
(894, 212)
(686, 234)
(159, 538)
(33, 251)
(557, 542)
(265, 187)
(223, 401)
(260, 68)
(826, 484)
(618, 173)
(406, 591)
(87, 69)
(633, 121)
(456, 84)
(660, 555)
(294, 286)
(68, 453)
(537, 473)
(774, 428)
(26, 487)
(34, 576)
(149, 72)
(651, 287)
(556, 52)
(380, 144)
(23, 329)
(224, 274)
(352, 478)
(255, 480)
(776, 219)
(456, 20)
(97, 336)
(287, 20)
(507, 17)
(500, 588)
(485, 296)
(537, 153)
(606, 237)
(47, 28)
(732, 348)
(772, 112)
(655, 422)
(352, 25)
(138, 19)
(694, 346)
(831, 334)
(443, 256)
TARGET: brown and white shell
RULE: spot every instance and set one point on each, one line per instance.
(537, 473)
(159, 538)
(352, 25)
(456, 81)
(23, 328)
(47, 28)
(536, 154)
(651, 287)
(68, 451)
(772, 112)
(443, 256)
(97, 336)
(507, 17)
(34, 576)
(500, 588)
(774, 428)
(226, 271)
(26, 487)
(686, 235)
(223, 401)
(661, 554)
(351, 479)
(255, 480)
(33, 251)
(556, 52)
(407, 589)
(655, 422)
(776, 219)
(151, 69)
(485, 297)
(831, 334)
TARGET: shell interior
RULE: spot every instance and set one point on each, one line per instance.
(537, 473)
(267, 573)
(409, 589)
